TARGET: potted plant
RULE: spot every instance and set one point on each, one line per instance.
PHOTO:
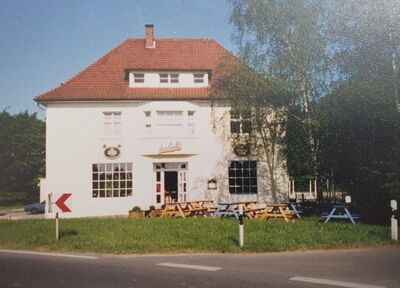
(136, 212)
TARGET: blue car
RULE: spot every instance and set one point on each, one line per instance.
(35, 208)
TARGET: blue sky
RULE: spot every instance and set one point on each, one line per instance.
(46, 42)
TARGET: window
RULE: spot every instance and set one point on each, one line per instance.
(174, 78)
(169, 78)
(190, 123)
(138, 78)
(169, 123)
(198, 78)
(242, 177)
(163, 78)
(241, 122)
(112, 123)
(111, 180)
(147, 122)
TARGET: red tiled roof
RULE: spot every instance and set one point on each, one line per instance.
(106, 78)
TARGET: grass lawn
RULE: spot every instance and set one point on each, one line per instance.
(120, 235)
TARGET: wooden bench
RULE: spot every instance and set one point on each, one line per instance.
(196, 211)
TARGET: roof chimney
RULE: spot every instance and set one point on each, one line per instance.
(150, 43)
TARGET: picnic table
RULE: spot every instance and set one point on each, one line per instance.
(341, 212)
(295, 207)
(232, 209)
(278, 211)
(184, 209)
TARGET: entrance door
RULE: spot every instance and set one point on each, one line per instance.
(170, 182)
(182, 185)
(171, 186)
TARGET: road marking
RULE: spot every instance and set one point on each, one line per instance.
(185, 266)
(333, 282)
(48, 254)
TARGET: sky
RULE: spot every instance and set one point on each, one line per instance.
(46, 42)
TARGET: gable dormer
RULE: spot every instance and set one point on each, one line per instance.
(168, 79)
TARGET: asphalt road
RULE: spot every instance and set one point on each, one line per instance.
(370, 268)
(18, 214)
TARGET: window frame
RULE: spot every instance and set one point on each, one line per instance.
(241, 123)
(169, 78)
(198, 78)
(112, 123)
(112, 180)
(138, 77)
(241, 172)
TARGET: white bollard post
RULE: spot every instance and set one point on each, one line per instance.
(57, 228)
(394, 220)
(241, 222)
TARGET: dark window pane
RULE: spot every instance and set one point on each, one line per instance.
(235, 114)
(246, 189)
(95, 168)
(246, 115)
(232, 190)
(246, 127)
(235, 127)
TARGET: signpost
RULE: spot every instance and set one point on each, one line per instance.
(241, 222)
(64, 208)
(395, 216)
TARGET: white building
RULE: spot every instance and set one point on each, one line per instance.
(137, 128)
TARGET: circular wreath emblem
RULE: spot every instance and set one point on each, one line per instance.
(112, 152)
(242, 150)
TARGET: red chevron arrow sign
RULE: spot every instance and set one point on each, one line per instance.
(60, 202)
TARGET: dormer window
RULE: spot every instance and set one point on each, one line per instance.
(138, 77)
(198, 78)
(169, 78)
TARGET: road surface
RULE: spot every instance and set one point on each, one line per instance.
(364, 268)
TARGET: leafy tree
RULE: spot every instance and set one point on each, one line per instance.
(366, 37)
(361, 143)
(285, 39)
(22, 160)
(264, 99)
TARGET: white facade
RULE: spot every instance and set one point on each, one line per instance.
(183, 140)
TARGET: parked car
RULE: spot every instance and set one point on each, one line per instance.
(35, 208)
